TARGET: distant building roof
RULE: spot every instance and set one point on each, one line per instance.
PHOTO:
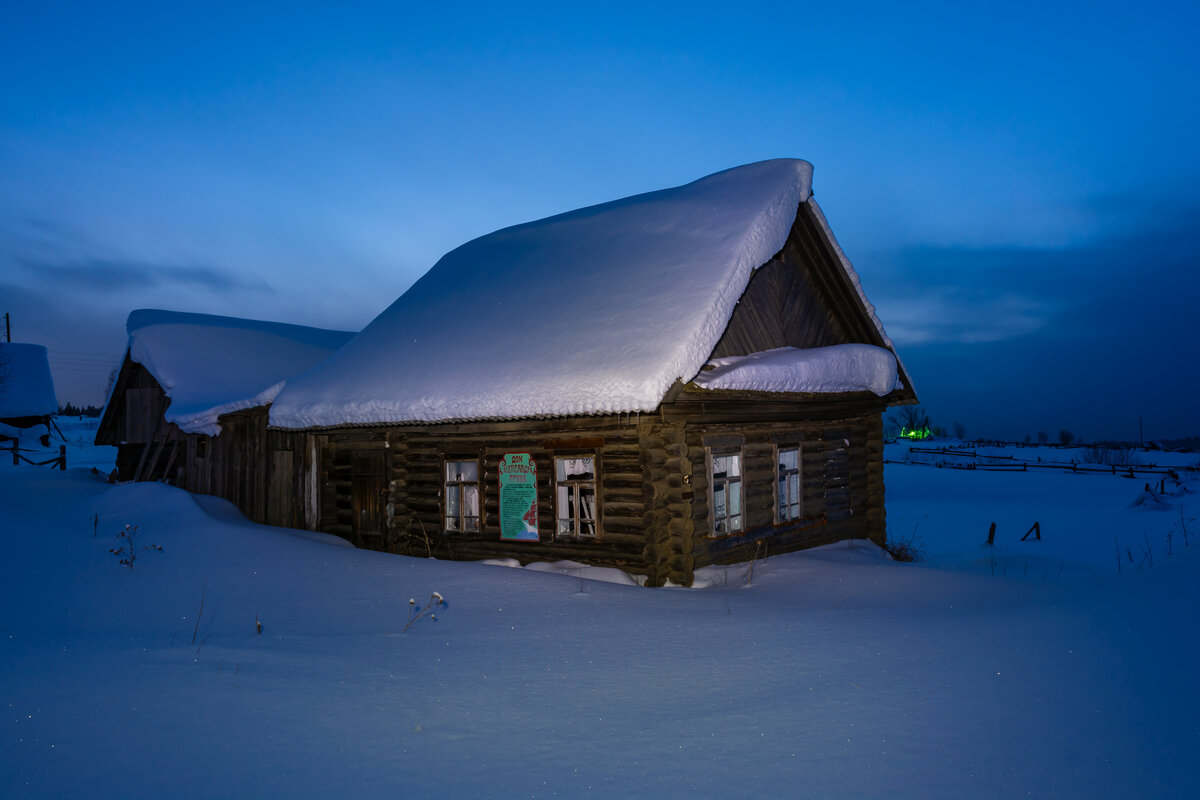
(26, 386)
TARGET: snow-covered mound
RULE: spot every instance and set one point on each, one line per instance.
(26, 387)
(597, 310)
(838, 368)
(210, 365)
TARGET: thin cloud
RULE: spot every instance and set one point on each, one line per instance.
(110, 275)
(1092, 338)
(951, 295)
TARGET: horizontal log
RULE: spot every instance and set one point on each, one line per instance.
(623, 492)
(610, 509)
(624, 527)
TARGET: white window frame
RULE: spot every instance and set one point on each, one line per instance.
(727, 524)
(788, 508)
(577, 521)
(456, 485)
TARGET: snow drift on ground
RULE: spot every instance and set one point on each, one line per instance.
(26, 387)
(827, 673)
(211, 365)
(837, 368)
(598, 310)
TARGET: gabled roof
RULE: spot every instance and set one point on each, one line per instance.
(211, 365)
(26, 386)
(594, 311)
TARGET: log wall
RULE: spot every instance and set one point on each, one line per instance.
(383, 488)
(841, 468)
(400, 471)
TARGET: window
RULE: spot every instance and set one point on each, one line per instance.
(787, 483)
(575, 496)
(462, 496)
(725, 467)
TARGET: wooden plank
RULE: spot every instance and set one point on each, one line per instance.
(283, 501)
(137, 473)
(166, 477)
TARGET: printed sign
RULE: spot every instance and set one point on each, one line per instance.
(518, 497)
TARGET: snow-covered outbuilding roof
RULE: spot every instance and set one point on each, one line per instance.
(211, 365)
(594, 311)
(26, 386)
(815, 370)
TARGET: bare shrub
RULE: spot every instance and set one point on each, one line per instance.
(1110, 456)
(129, 550)
(908, 549)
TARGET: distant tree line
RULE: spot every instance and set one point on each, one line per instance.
(914, 422)
(72, 410)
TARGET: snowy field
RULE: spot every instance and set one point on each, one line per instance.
(1062, 668)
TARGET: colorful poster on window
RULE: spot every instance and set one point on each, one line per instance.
(518, 497)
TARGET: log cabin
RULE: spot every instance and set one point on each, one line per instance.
(687, 377)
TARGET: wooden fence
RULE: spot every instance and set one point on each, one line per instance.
(60, 460)
(961, 458)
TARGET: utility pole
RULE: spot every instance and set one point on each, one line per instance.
(7, 329)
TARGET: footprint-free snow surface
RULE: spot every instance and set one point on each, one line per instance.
(1028, 669)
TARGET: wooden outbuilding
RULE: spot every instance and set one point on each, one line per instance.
(27, 397)
(683, 378)
(189, 403)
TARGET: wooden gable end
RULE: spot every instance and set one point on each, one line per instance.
(801, 298)
(135, 409)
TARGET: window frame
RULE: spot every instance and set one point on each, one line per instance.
(573, 486)
(780, 473)
(457, 485)
(738, 481)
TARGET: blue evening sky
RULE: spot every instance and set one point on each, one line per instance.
(1015, 182)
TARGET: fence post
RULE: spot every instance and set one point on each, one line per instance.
(16, 458)
(62, 458)
(992, 534)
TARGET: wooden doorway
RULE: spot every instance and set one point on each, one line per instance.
(368, 489)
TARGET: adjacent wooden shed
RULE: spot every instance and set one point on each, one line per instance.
(682, 378)
(188, 406)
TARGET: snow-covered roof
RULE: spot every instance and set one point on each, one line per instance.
(837, 368)
(211, 365)
(26, 387)
(598, 310)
